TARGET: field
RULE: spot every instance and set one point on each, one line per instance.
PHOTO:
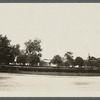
(31, 85)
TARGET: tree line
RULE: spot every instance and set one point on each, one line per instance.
(31, 55)
(69, 61)
(12, 53)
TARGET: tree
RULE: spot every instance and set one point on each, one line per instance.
(97, 64)
(6, 51)
(22, 57)
(33, 47)
(23, 52)
(66, 63)
(57, 60)
(91, 61)
(33, 51)
(69, 58)
(15, 51)
(79, 61)
(33, 59)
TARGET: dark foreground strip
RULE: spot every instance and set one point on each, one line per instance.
(49, 1)
(46, 69)
(49, 71)
(50, 98)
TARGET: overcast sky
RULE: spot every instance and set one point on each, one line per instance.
(62, 27)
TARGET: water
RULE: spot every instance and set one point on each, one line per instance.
(19, 85)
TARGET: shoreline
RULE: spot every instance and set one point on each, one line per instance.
(49, 71)
(55, 73)
(61, 73)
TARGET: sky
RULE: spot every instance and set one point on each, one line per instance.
(61, 27)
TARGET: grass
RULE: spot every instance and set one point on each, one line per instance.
(49, 70)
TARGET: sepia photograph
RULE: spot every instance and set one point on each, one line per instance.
(49, 50)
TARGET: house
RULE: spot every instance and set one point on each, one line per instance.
(46, 62)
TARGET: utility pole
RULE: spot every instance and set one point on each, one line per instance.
(89, 62)
(88, 56)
